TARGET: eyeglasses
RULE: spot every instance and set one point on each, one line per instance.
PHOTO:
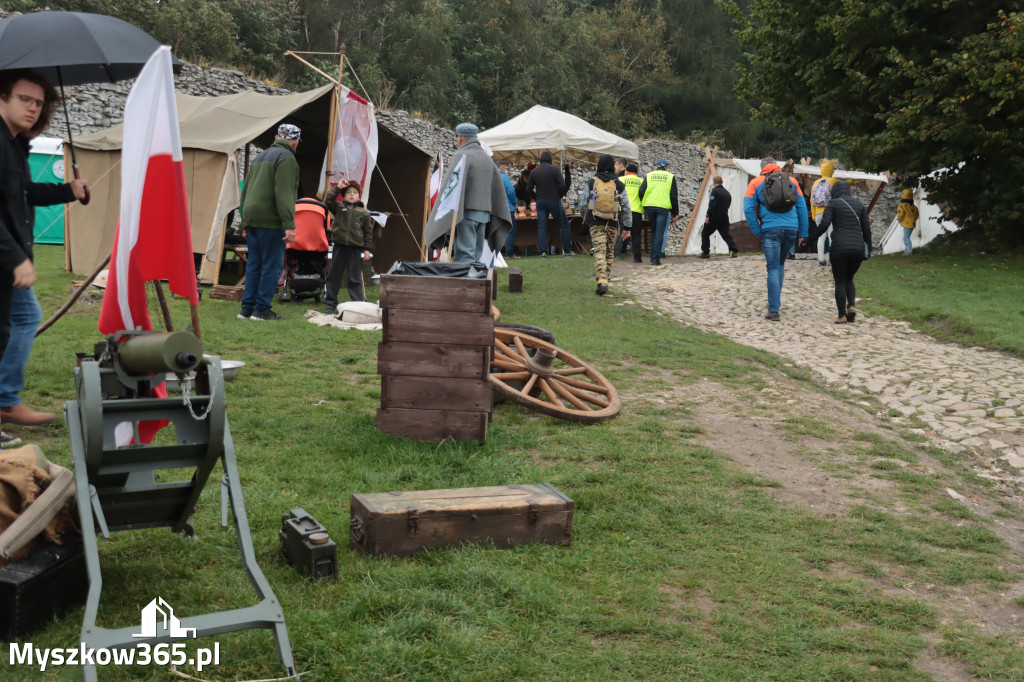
(28, 100)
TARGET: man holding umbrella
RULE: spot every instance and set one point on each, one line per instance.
(27, 101)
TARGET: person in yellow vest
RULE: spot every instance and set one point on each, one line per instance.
(660, 198)
(821, 193)
(907, 215)
(628, 177)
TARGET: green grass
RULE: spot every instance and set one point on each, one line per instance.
(948, 292)
(682, 566)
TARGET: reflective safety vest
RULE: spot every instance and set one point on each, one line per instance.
(659, 185)
(632, 183)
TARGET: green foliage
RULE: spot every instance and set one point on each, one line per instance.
(913, 87)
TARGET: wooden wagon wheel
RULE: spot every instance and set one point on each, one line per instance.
(554, 382)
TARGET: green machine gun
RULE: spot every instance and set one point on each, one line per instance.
(116, 473)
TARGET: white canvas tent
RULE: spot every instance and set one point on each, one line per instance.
(522, 139)
(929, 225)
(737, 174)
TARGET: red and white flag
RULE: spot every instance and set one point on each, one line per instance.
(355, 142)
(154, 238)
(435, 178)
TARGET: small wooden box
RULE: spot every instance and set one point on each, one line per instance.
(41, 587)
(515, 280)
(401, 523)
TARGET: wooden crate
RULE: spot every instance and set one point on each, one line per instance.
(433, 425)
(433, 360)
(455, 294)
(227, 293)
(401, 523)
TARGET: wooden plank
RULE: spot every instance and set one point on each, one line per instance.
(401, 523)
(434, 360)
(226, 293)
(456, 294)
(438, 326)
(433, 425)
(492, 276)
(460, 395)
(515, 280)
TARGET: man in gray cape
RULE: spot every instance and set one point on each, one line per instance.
(473, 197)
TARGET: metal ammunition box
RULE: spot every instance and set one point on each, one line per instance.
(308, 546)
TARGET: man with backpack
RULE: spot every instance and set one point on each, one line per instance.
(776, 212)
(608, 203)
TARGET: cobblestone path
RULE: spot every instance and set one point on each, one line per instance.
(968, 397)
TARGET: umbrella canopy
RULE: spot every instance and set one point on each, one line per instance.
(539, 129)
(74, 48)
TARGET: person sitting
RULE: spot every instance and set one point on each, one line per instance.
(352, 239)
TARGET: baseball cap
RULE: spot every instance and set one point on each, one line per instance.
(288, 131)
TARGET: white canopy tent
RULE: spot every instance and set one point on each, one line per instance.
(737, 174)
(522, 139)
(929, 225)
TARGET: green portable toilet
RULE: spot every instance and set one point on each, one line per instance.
(46, 162)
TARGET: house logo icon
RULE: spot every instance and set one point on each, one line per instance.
(158, 620)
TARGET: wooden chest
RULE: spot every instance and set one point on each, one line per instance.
(40, 587)
(401, 523)
(434, 358)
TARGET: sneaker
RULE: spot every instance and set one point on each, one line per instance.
(265, 315)
(772, 317)
(704, 255)
(602, 289)
(821, 263)
(543, 255)
(851, 314)
(8, 441)
(792, 256)
(733, 254)
(245, 314)
(573, 255)
(330, 309)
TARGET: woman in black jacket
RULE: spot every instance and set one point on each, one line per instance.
(851, 244)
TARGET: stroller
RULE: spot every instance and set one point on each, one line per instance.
(305, 260)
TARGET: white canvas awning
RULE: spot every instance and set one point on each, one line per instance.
(539, 129)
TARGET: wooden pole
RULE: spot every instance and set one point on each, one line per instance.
(333, 124)
(874, 199)
(330, 78)
(451, 238)
(194, 309)
(696, 205)
(168, 322)
(74, 297)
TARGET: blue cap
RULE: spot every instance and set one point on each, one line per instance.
(662, 163)
(467, 129)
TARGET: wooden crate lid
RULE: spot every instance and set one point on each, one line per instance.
(500, 499)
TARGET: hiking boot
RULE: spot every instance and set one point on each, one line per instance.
(245, 314)
(841, 320)
(24, 415)
(821, 263)
(602, 289)
(792, 256)
(733, 254)
(330, 309)
(267, 315)
(851, 314)
(704, 255)
(772, 317)
(8, 441)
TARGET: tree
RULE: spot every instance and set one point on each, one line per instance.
(913, 87)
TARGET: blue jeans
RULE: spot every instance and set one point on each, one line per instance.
(469, 241)
(776, 243)
(263, 266)
(660, 218)
(25, 318)
(907, 246)
(510, 240)
(554, 207)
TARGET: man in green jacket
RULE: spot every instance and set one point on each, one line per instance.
(268, 220)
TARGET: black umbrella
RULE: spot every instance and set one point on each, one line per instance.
(75, 48)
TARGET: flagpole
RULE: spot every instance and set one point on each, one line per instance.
(333, 125)
(451, 238)
(168, 322)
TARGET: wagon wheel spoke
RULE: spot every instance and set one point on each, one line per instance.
(550, 380)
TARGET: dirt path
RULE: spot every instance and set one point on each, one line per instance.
(967, 401)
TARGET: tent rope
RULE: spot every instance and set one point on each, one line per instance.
(98, 180)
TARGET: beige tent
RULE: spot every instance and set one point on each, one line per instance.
(522, 139)
(213, 130)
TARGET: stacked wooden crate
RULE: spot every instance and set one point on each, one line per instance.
(434, 358)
